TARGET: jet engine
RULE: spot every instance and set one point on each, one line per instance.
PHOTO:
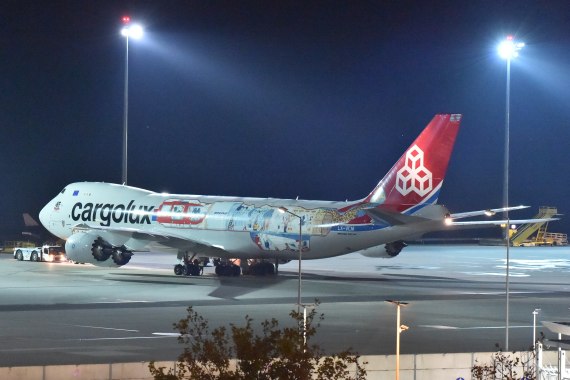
(389, 250)
(89, 247)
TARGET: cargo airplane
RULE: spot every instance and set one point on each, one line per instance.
(104, 224)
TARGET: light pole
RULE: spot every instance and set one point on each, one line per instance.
(399, 329)
(508, 49)
(300, 247)
(135, 31)
(534, 314)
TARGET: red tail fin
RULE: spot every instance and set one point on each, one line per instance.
(417, 177)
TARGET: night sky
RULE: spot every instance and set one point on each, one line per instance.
(316, 99)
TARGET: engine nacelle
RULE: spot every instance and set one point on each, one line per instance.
(89, 247)
(387, 251)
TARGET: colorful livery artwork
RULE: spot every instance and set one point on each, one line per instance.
(180, 213)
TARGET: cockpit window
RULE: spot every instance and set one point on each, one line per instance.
(63, 191)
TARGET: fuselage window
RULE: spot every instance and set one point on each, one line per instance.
(177, 212)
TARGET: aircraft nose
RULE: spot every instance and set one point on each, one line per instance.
(45, 215)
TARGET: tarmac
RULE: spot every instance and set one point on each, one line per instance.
(63, 313)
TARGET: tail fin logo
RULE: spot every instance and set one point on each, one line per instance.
(414, 176)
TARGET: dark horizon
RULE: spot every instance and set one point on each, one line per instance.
(282, 100)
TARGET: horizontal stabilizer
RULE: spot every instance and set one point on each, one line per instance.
(450, 222)
(489, 212)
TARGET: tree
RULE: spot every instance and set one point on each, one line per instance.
(277, 353)
(505, 367)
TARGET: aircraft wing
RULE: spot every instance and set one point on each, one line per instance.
(426, 214)
(144, 237)
(391, 218)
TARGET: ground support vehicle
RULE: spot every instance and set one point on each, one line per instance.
(536, 234)
(50, 253)
(9, 246)
(548, 239)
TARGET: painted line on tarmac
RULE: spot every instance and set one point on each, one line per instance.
(123, 338)
(502, 293)
(498, 274)
(118, 301)
(444, 327)
(105, 328)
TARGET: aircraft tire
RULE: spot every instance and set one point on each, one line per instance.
(223, 270)
(258, 270)
(262, 269)
(269, 268)
(178, 269)
(191, 270)
(228, 270)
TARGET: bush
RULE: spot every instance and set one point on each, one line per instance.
(278, 353)
(505, 367)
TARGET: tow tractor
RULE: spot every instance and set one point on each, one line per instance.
(50, 253)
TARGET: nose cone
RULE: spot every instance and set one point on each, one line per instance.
(45, 214)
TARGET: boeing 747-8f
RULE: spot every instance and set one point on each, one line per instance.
(104, 224)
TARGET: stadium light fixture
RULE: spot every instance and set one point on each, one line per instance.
(508, 50)
(128, 31)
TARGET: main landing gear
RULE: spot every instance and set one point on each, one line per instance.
(259, 268)
(226, 268)
(192, 266)
(252, 267)
(189, 266)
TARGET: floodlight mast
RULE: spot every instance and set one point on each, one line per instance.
(135, 31)
(300, 250)
(508, 49)
(303, 328)
(399, 329)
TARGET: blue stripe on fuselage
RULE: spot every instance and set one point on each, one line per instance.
(358, 227)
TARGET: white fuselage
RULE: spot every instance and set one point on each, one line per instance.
(240, 227)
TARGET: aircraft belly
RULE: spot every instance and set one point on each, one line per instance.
(341, 243)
